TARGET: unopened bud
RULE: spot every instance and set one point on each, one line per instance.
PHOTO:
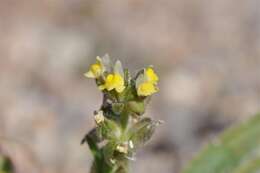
(137, 107)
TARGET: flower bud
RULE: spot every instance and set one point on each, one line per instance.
(137, 107)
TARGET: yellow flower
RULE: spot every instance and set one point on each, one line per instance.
(151, 75)
(146, 89)
(99, 117)
(146, 83)
(113, 81)
(96, 70)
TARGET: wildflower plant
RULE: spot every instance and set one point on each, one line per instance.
(121, 127)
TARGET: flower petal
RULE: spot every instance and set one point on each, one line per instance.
(89, 74)
(118, 69)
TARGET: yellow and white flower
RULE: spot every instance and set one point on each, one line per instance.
(115, 80)
(146, 89)
(151, 75)
(96, 70)
(146, 83)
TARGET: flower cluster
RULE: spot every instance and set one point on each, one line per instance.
(120, 125)
(113, 77)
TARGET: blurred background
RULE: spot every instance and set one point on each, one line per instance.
(207, 54)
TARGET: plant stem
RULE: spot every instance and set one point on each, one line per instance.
(124, 119)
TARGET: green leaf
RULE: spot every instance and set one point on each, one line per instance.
(142, 131)
(92, 138)
(110, 129)
(108, 152)
(230, 150)
(250, 166)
